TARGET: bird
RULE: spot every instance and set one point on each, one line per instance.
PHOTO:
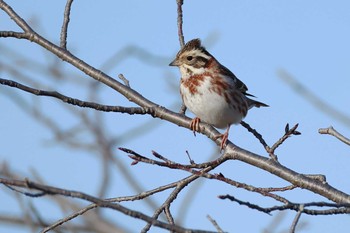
(210, 90)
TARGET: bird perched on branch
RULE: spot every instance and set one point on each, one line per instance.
(210, 90)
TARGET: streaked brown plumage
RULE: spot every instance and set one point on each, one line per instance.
(210, 90)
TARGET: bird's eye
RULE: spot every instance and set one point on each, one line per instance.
(189, 58)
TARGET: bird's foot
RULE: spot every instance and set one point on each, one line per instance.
(195, 125)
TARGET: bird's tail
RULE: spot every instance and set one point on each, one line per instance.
(254, 103)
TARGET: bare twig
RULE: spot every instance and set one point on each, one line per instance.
(287, 134)
(296, 219)
(215, 224)
(73, 101)
(179, 187)
(20, 221)
(271, 150)
(117, 199)
(66, 18)
(201, 173)
(256, 134)
(341, 208)
(168, 214)
(68, 218)
(179, 22)
(50, 190)
(95, 206)
(183, 109)
(313, 99)
(250, 205)
(189, 157)
(278, 189)
(159, 156)
(125, 80)
(40, 194)
(181, 38)
(331, 131)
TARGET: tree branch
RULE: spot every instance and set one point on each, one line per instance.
(313, 98)
(68, 218)
(181, 39)
(66, 19)
(342, 208)
(296, 219)
(50, 190)
(232, 151)
(331, 131)
(76, 102)
(201, 173)
(215, 224)
(180, 22)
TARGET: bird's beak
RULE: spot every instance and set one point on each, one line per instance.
(174, 63)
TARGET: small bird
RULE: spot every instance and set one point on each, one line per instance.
(210, 90)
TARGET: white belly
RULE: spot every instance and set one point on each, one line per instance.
(209, 106)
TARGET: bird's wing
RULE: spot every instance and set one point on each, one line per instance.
(239, 84)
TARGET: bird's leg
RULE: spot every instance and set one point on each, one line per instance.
(224, 137)
(195, 125)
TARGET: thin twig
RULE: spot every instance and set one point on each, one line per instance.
(190, 168)
(271, 150)
(296, 219)
(166, 205)
(18, 35)
(66, 19)
(159, 156)
(139, 196)
(179, 187)
(248, 204)
(181, 39)
(278, 189)
(68, 218)
(311, 97)
(189, 158)
(50, 190)
(125, 80)
(288, 133)
(255, 133)
(261, 140)
(28, 194)
(215, 224)
(20, 222)
(331, 131)
(179, 22)
(169, 163)
(341, 208)
(168, 214)
(183, 109)
(73, 101)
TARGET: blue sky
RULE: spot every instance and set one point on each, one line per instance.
(254, 39)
